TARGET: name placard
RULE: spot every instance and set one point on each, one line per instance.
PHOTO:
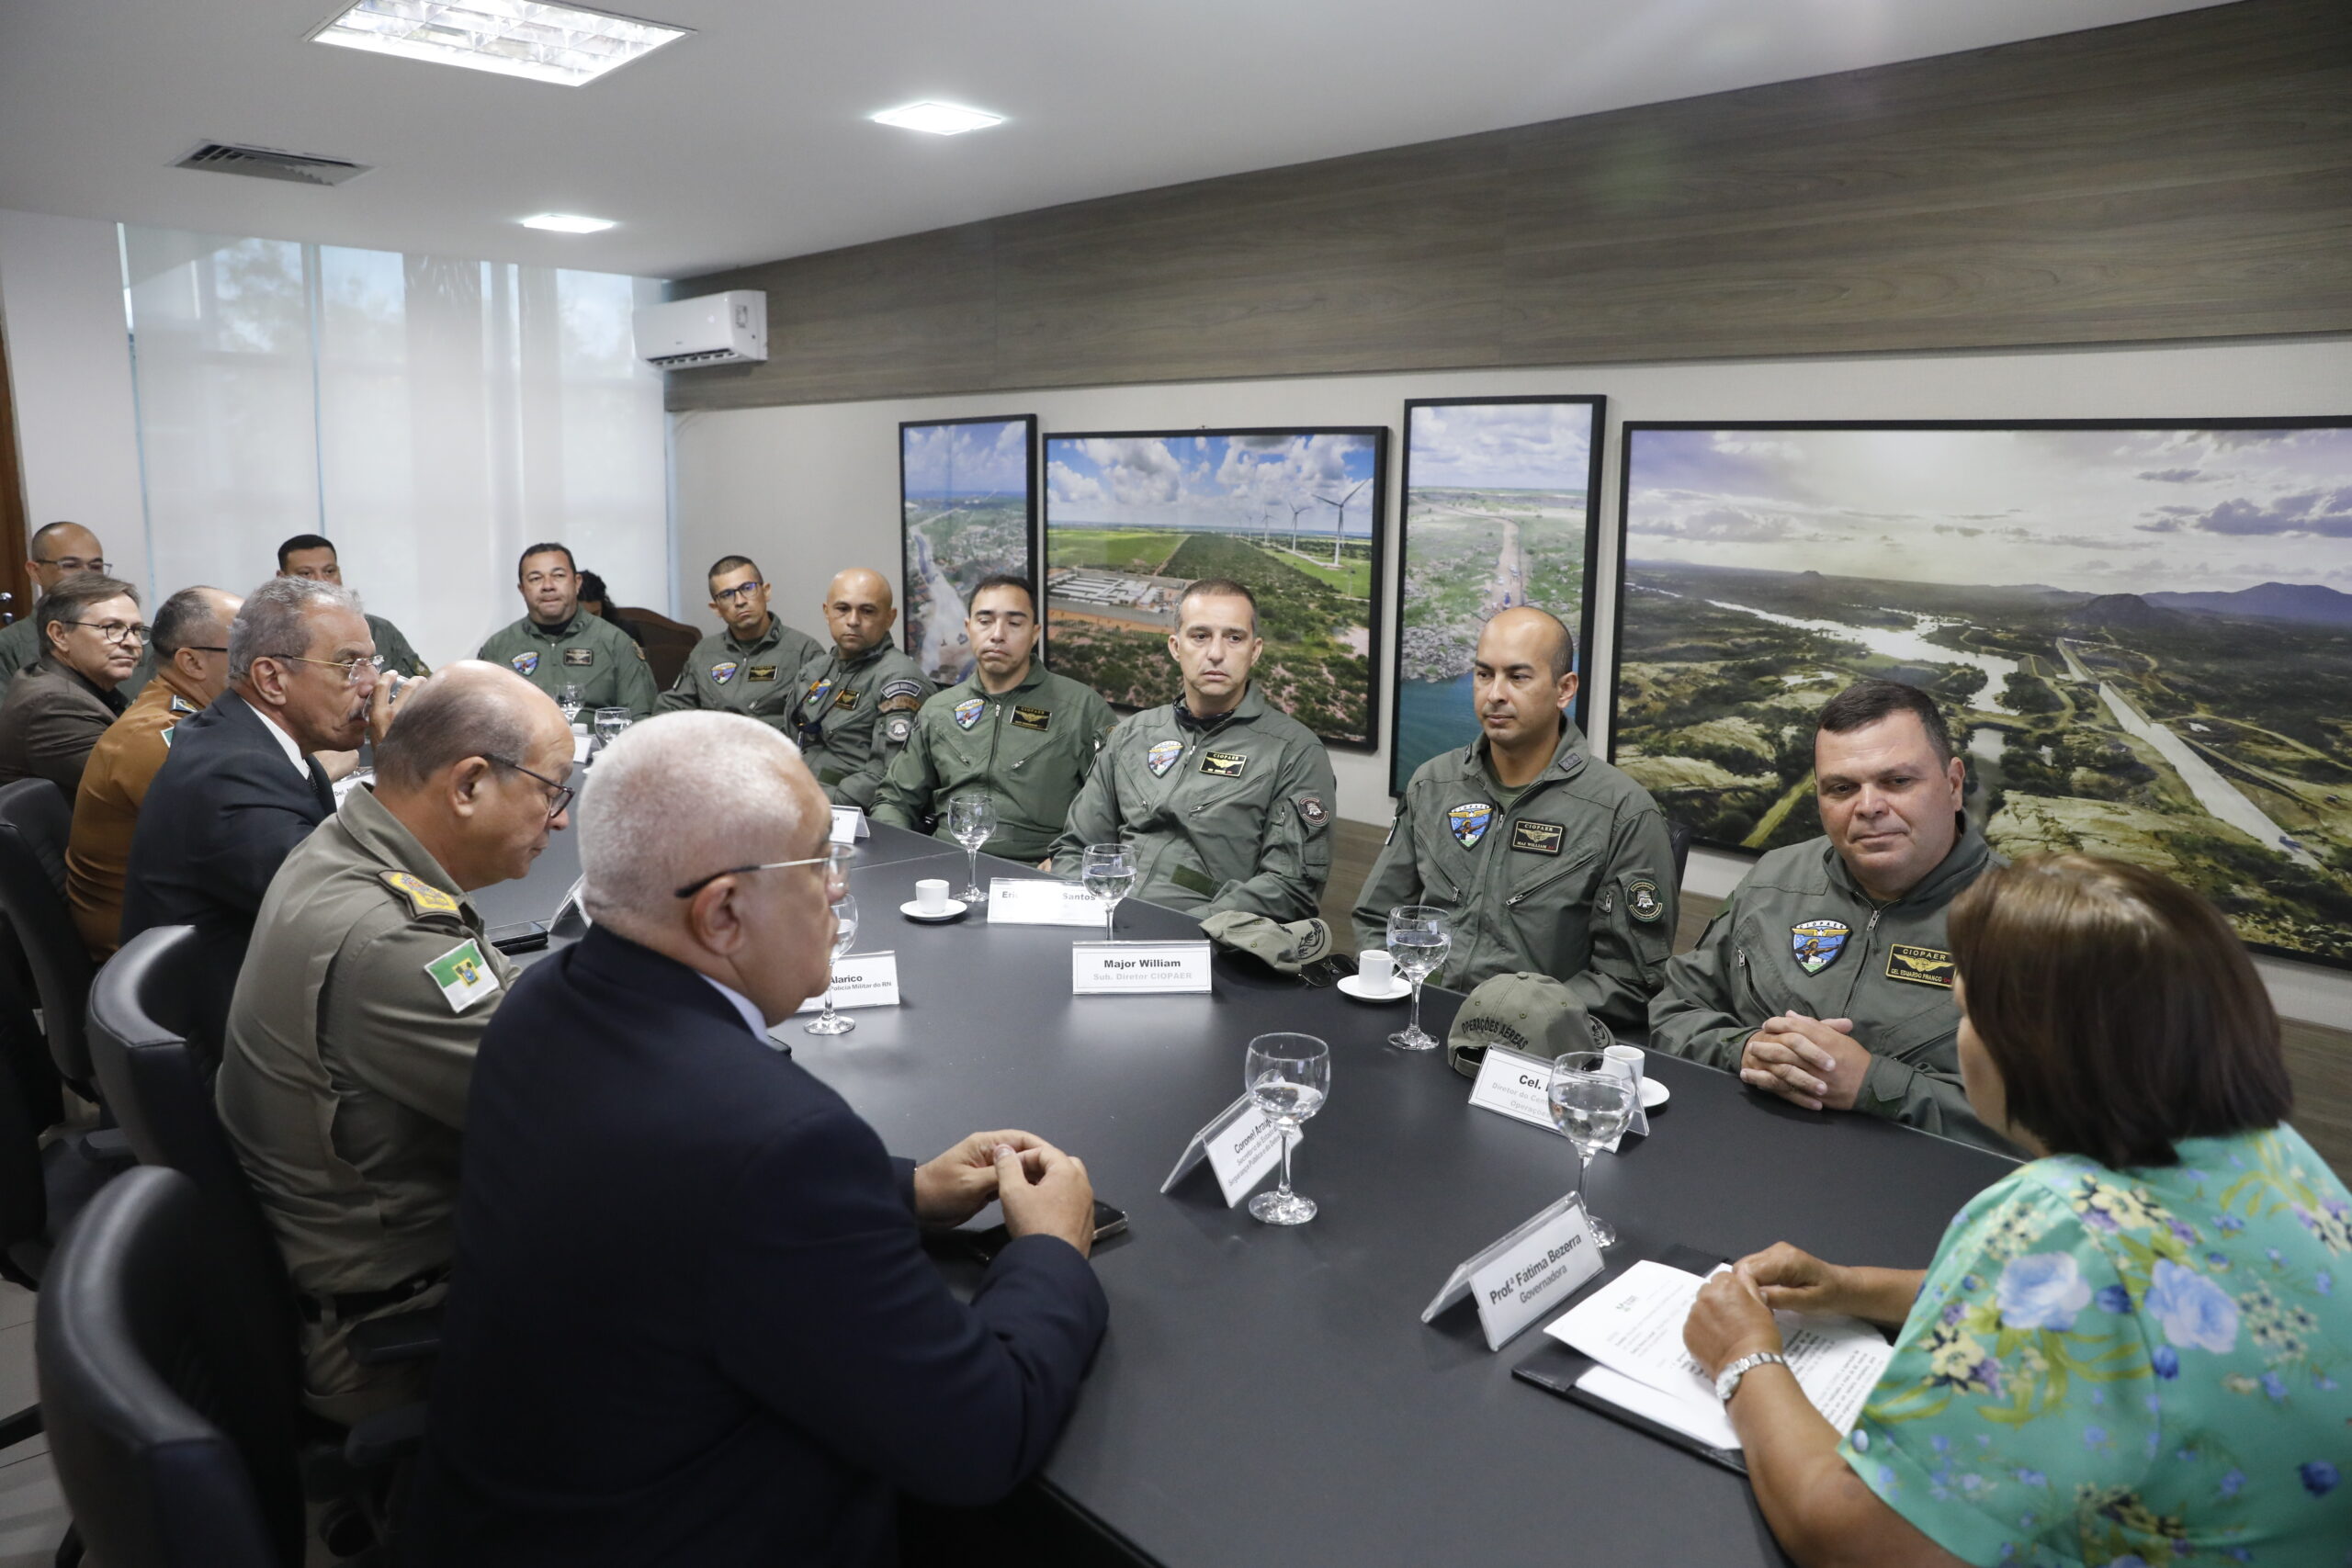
(860, 981)
(1527, 1273)
(1513, 1083)
(1036, 901)
(1101, 968)
(1242, 1146)
(848, 826)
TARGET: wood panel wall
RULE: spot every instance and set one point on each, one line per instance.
(2188, 176)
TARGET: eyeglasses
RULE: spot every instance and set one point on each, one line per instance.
(199, 647)
(560, 796)
(741, 590)
(350, 667)
(836, 873)
(76, 563)
(114, 632)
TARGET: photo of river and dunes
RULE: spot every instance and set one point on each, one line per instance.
(964, 513)
(2141, 637)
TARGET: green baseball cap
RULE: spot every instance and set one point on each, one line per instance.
(1287, 948)
(1534, 1013)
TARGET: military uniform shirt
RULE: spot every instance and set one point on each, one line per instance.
(21, 646)
(350, 1047)
(105, 810)
(1570, 876)
(853, 716)
(1800, 935)
(1230, 813)
(760, 679)
(399, 657)
(1030, 748)
(587, 652)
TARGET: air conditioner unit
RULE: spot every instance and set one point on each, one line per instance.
(718, 329)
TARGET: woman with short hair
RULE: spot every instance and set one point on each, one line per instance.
(2134, 1348)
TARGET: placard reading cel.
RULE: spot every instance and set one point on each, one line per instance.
(1035, 901)
(1527, 1273)
(1513, 1083)
(1111, 968)
(860, 981)
(1241, 1145)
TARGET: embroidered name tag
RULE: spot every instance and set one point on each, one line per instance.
(1920, 966)
(761, 673)
(846, 700)
(1223, 765)
(1538, 838)
(580, 657)
(1031, 718)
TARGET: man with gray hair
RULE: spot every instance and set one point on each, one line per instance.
(362, 999)
(774, 1356)
(191, 641)
(239, 790)
(56, 710)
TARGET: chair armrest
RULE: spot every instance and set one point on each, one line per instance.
(403, 1337)
(393, 1435)
(108, 1147)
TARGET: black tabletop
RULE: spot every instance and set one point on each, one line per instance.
(1270, 1396)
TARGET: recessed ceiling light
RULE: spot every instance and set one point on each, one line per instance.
(515, 38)
(568, 223)
(939, 119)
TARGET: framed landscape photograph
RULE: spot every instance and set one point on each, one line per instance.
(2140, 632)
(966, 508)
(1133, 518)
(1501, 507)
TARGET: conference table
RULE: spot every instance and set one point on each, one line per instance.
(1270, 1396)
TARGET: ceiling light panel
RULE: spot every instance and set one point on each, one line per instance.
(939, 119)
(567, 223)
(515, 38)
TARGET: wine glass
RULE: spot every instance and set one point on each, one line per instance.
(569, 700)
(610, 722)
(1109, 874)
(1591, 1104)
(970, 819)
(1420, 935)
(1288, 1077)
(844, 933)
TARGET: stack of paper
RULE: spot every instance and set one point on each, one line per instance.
(1633, 1327)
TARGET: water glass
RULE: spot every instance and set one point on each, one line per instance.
(971, 818)
(610, 722)
(844, 935)
(569, 700)
(1288, 1077)
(1109, 874)
(1591, 1102)
(1419, 936)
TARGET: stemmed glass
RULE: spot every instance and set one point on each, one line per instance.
(1288, 1077)
(1591, 1104)
(970, 819)
(844, 933)
(569, 700)
(1419, 936)
(1109, 874)
(610, 722)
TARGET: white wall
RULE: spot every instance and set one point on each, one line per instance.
(809, 491)
(69, 360)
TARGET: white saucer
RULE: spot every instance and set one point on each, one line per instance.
(913, 911)
(1355, 984)
(1654, 1094)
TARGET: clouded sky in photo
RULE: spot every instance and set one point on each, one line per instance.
(1502, 446)
(2099, 511)
(978, 459)
(1210, 481)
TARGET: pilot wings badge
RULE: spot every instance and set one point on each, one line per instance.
(1817, 944)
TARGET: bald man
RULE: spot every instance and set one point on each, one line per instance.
(857, 703)
(55, 553)
(1550, 860)
(364, 991)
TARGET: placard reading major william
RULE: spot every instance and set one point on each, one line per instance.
(2140, 633)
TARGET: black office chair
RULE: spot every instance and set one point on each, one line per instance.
(170, 1418)
(35, 819)
(1678, 838)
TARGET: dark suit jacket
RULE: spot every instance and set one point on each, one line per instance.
(53, 716)
(691, 1321)
(225, 810)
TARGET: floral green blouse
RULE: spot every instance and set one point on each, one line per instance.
(2139, 1368)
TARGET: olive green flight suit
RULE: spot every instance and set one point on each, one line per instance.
(1800, 935)
(587, 652)
(759, 678)
(1575, 879)
(1030, 748)
(853, 716)
(343, 1083)
(399, 657)
(1229, 813)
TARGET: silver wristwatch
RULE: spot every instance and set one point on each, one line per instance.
(1727, 1381)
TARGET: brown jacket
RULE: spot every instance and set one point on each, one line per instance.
(105, 810)
(53, 716)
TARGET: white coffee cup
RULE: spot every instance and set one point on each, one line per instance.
(931, 896)
(1625, 1061)
(1376, 967)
